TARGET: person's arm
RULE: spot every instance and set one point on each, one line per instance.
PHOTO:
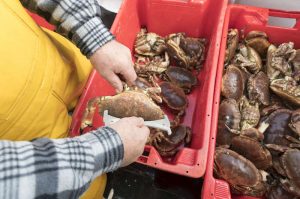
(78, 20)
(62, 168)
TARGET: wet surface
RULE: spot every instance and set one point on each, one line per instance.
(138, 181)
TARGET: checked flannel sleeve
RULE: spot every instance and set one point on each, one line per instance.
(78, 20)
(61, 169)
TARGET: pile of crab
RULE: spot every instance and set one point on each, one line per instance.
(167, 72)
(259, 124)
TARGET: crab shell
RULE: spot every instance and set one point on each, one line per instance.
(131, 103)
(250, 114)
(290, 161)
(287, 89)
(253, 151)
(252, 133)
(168, 145)
(194, 48)
(258, 40)
(241, 174)
(181, 77)
(271, 72)
(258, 88)
(175, 52)
(229, 118)
(279, 127)
(149, 44)
(277, 192)
(248, 58)
(233, 83)
(173, 96)
(295, 122)
(232, 44)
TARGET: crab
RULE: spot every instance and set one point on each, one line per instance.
(248, 59)
(241, 174)
(133, 101)
(295, 122)
(279, 60)
(258, 40)
(175, 52)
(287, 167)
(271, 72)
(258, 88)
(233, 83)
(279, 127)
(248, 144)
(149, 44)
(250, 114)
(195, 49)
(153, 89)
(181, 77)
(287, 88)
(154, 65)
(187, 52)
(174, 97)
(229, 120)
(277, 192)
(168, 145)
(232, 44)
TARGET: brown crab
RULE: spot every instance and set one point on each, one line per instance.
(258, 40)
(288, 168)
(279, 60)
(248, 59)
(277, 192)
(168, 145)
(287, 88)
(175, 52)
(250, 114)
(232, 44)
(279, 127)
(271, 72)
(181, 77)
(290, 161)
(154, 65)
(233, 83)
(229, 121)
(174, 97)
(258, 88)
(195, 49)
(241, 174)
(149, 44)
(295, 122)
(252, 149)
(187, 52)
(130, 102)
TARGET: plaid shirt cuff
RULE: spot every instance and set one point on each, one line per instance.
(91, 36)
(108, 149)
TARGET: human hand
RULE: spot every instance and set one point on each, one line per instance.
(112, 59)
(134, 135)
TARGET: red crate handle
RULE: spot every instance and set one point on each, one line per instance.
(287, 14)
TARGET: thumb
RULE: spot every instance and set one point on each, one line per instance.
(114, 80)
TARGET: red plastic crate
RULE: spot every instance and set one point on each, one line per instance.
(198, 18)
(243, 18)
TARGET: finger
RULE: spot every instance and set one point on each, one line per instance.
(145, 130)
(129, 73)
(114, 80)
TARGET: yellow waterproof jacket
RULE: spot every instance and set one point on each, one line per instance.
(42, 76)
